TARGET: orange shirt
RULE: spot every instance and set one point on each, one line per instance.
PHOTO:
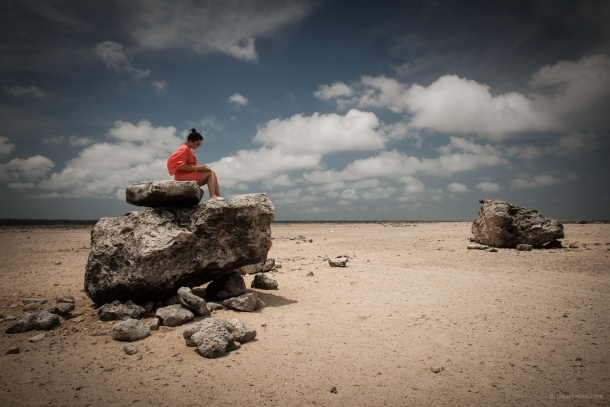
(182, 156)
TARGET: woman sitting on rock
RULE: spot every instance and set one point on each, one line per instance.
(182, 164)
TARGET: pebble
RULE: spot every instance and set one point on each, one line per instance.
(38, 337)
(493, 250)
(13, 350)
(57, 263)
(32, 307)
(435, 369)
(130, 349)
(574, 246)
(310, 274)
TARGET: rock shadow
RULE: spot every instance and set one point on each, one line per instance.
(272, 300)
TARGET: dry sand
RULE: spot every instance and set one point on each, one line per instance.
(507, 328)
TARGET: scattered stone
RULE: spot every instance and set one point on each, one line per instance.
(214, 306)
(310, 274)
(502, 224)
(13, 350)
(74, 314)
(278, 264)
(493, 250)
(248, 302)
(66, 299)
(242, 333)
(524, 247)
(37, 338)
(338, 261)
(150, 254)
(130, 349)
(63, 308)
(574, 246)
(232, 285)
(214, 336)
(553, 244)
(435, 369)
(263, 282)
(34, 301)
(174, 315)
(164, 193)
(117, 310)
(45, 320)
(154, 324)
(130, 330)
(310, 240)
(31, 307)
(477, 247)
(268, 266)
(195, 303)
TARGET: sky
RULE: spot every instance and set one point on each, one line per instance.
(337, 110)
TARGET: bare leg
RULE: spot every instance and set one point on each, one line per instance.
(209, 178)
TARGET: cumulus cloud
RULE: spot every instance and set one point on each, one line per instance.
(6, 147)
(31, 168)
(543, 180)
(336, 90)
(566, 96)
(457, 187)
(238, 99)
(115, 58)
(20, 92)
(230, 26)
(488, 186)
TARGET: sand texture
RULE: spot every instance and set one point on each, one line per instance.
(505, 328)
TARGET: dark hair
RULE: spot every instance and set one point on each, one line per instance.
(194, 136)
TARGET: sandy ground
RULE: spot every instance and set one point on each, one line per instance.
(507, 328)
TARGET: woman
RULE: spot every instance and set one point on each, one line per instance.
(182, 164)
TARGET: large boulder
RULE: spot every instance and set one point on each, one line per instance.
(149, 255)
(502, 224)
(155, 194)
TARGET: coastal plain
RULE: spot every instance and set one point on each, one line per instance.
(505, 328)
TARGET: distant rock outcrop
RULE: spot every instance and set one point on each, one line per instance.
(502, 224)
(149, 255)
(155, 194)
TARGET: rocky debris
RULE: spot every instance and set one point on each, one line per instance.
(228, 286)
(66, 299)
(62, 308)
(247, 303)
(174, 315)
(214, 336)
(574, 246)
(214, 306)
(154, 194)
(73, 314)
(34, 301)
(45, 321)
(130, 331)
(32, 307)
(502, 224)
(149, 255)
(37, 338)
(40, 321)
(13, 350)
(193, 302)
(477, 247)
(263, 282)
(117, 310)
(553, 244)
(338, 261)
(130, 349)
(154, 324)
(524, 247)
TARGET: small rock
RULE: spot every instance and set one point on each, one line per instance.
(193, 302)
(214, 306)
(14, 350)
(493, 250)
(477, 247)
(268, 266)
(130, 330)
(338, 261)
(278, 264)
(37, 338)
(248, 302)
(66, 299)
(574, 246)
(173, 300)
(333, 390)
(31, 307)
(231, 285)
(212, 337)
(64, 308)
(57, 263)
(130, 349)
(117, 310)
(174, 315)
(153, 324)
(34, 301)
(263, 282)
(73, 314)
(435, 369)
(45, 321)
(310, 240)
(242, 333)
(310, 274)
(524, 247)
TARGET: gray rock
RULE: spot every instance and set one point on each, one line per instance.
(164, 193)
(228, 286)
(64, 308)
(154, 324)
(13, 350)
(149, 306)
(477, 247)
(241, 332)
(31, 307)
(263, 282)
(130, 349)
(338, 262)
(34, 301)
(149, 255)
(130, 331)
(193, 302)
(37, 338)
(45, 320)
(435, 369)
(214, 306)
(213, 337)
(502, 224)
(173, 300)
(174, 315)
(248, 302)
(268, 265)
(66, 299)
(524, 247)
(23, 324)
(251, 269)
(574, 246)
(117, 310)
(233, 345)
(74, 314)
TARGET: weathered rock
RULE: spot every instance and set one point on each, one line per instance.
(149, 306)
(32, 307)
(118, 310)
(574, 246)
(524, 247)
(164, 193)
(268, 265)
(173, 300)
(45, 320)
(502, 224)
(263, 282)
(214, 306)
(338, 262)
(130, 349)
(154, 324)
(193, 302)
(63, 308)
(37, 338)
(477, 247)
(214, 336)
(23, 324)
(66, 299)
(248, 302)
(74, 314)
(278, 264)
(13, 350)
(241, 332)
(228, 286)
(130, 331)
(174, 315)
(149, 255)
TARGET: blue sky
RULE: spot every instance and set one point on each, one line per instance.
(338, 110)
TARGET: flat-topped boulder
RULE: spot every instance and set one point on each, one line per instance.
(502, 224)
(154, 194)
(149, 255)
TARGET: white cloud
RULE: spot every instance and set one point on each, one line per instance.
(457, 187)
(238, 99)
(543, 180)
(159, 86)
(6, 148)
(115, 58)
(31, 91)
(50, 139)
(279, 180)
(229, 26)
(21, 185)
(320, 134)
(488, 186)
(336, 90)
(30, 168)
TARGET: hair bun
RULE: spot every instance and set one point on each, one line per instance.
(193, 131)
